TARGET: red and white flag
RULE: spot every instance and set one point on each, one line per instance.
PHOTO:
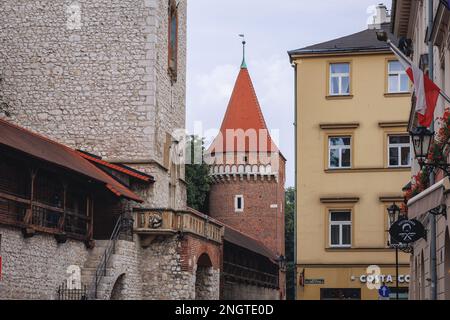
(427, 92)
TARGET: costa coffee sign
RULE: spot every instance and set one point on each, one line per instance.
(383, 278)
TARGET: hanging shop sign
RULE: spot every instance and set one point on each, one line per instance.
(407, 231)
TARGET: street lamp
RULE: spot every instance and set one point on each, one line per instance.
(281, 262)
(382, 35)
(394, 214)
(421, 139)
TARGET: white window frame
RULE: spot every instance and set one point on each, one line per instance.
(339, 76)
(340, 224)
(340, 148)
(398, 74)
(399, 147)
(236, 209)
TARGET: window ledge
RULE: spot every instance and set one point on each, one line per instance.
(342, 97)
(397, 94)
(356, 170)
(339, 248)
(356, 249)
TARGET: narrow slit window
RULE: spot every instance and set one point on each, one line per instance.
(239, 203)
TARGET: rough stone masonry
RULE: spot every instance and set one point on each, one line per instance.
(93, 74)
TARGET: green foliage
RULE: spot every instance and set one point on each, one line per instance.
(197, 175)
(289, 242)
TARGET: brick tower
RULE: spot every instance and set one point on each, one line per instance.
(248, 170)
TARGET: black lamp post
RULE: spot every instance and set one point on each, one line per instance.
(281, 262)
(394, 215)
(421, 140)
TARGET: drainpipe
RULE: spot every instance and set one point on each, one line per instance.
(296, 179)
(432, 218)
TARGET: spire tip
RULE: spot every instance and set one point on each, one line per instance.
(243, 64)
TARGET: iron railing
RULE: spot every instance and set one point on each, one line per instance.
(100, 272)
(65, 293)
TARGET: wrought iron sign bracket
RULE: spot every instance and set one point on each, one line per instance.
(433, 166)
(439, 211)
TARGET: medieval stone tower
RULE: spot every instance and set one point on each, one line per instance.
(104, 76)
(248, 170)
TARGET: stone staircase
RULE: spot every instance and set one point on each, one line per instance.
(90, 268)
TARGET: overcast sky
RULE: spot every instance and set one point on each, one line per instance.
(271, 29)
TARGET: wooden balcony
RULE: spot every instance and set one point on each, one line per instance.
(33, 216)
(152, 223)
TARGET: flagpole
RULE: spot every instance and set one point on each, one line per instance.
(409, 62)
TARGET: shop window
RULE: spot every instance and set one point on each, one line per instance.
(340, 294)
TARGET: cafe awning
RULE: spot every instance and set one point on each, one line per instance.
(429, 199)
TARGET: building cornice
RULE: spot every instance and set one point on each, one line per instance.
(339, 199)
(328, 54)
(389, 199)
(393, 124)
(332, 126)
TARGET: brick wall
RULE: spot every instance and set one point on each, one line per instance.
(259, 219)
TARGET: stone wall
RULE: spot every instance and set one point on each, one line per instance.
(34, 268)
(239, 291)
(103, 86)
(169, 268)
(162, 276)
(125, 271)
(93, 74)
(420, 288)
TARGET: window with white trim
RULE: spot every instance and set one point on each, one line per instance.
(239, 203)
(399, 151)
(340, 79)
(339, 152)
(340, 229)
(398, 81)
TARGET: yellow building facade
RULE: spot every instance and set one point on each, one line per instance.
(353, 157)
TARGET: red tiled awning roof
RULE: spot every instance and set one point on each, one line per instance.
(119, 168)
(48, 150)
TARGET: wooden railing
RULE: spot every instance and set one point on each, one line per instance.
(250, 275)
(159, 222)
(18, 211)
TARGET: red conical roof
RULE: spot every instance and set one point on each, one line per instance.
(244, 113)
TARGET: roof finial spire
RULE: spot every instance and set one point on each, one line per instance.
(244, 64)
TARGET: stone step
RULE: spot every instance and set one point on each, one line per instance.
(90, 272)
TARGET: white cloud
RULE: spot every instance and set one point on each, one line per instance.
(216, 86)
(271, 29)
